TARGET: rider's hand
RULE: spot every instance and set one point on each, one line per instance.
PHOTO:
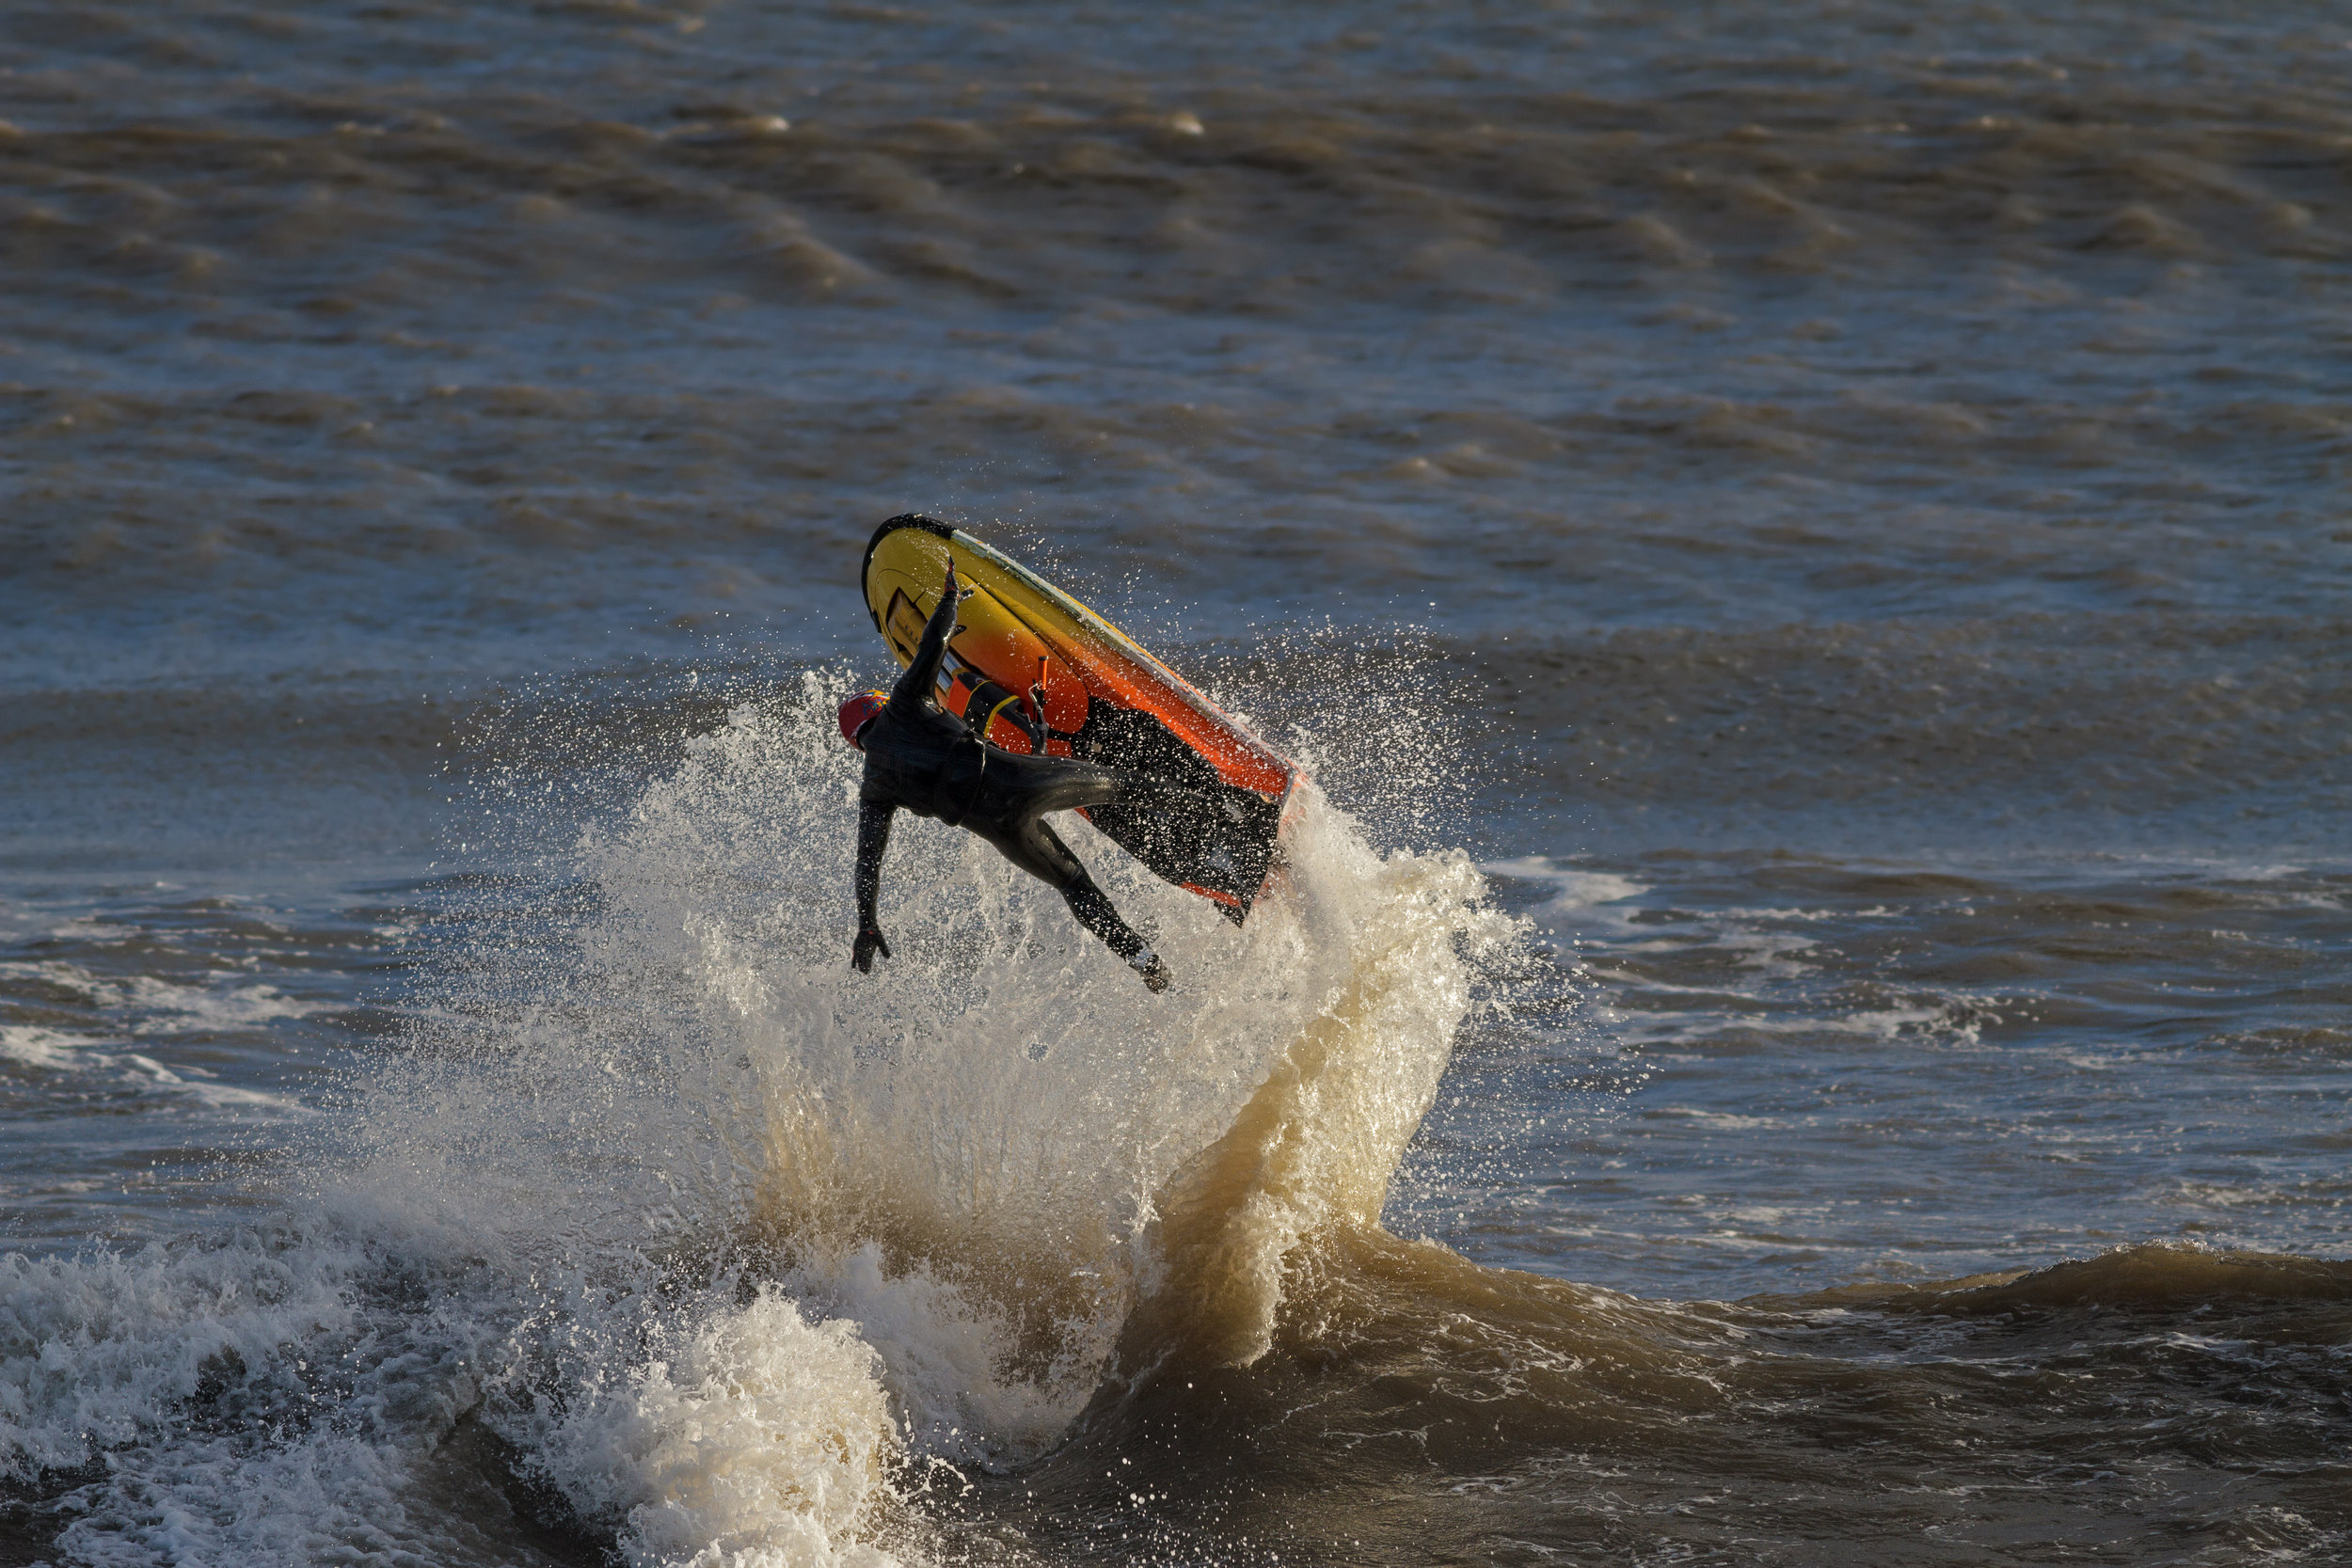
(868, 941)
(1033, 720)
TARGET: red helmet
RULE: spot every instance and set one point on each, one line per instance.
(860, 711)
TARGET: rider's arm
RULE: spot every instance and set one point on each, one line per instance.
(873, 837)
(916, 683)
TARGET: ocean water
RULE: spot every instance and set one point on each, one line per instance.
(1803, 546)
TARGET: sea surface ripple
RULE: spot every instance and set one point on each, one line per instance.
(1803, 546)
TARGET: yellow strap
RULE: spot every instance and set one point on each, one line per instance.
(994, 712)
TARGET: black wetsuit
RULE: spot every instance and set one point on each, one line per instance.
(921, 756)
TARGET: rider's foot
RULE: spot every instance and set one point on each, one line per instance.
(1156, 975)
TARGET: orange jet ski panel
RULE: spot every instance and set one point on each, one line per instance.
(1106, 701)
(992, 646)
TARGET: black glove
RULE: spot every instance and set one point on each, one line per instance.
(954, 594)
(863, 954)
(1037, 712)
(1031, 718)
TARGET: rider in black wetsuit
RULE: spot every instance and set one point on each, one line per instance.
(922, 757)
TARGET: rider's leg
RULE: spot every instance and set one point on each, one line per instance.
(1031, 786)
(1037, 849)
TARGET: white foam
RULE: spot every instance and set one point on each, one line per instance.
(68, 977)
(173, 1008)
(1725, 1120)
(1573, 890)
(31, 1046)
(1772, 953)
(225, 999)
(941, 1354)
(101, 1350)
(723, 1237)
(149, 1073)
(761, 1441)
(283, 1399)
(1665, 1026)
(60, 1051)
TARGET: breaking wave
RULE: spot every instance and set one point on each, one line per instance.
(727, 1253)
